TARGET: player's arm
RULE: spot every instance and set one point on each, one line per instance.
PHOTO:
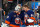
(32, 16)
(22, 17)
(8, 19)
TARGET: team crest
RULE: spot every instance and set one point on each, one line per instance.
(17, 20)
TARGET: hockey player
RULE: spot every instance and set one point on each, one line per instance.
(28, 16)
(13, 18)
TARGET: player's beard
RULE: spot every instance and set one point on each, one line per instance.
(27, 10)
(18, 12)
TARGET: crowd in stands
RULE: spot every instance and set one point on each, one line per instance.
(10, 4)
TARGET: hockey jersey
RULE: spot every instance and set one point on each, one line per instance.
(30, 13)
(12, 19)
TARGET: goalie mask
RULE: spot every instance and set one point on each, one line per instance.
(18, 8)
(17, 20)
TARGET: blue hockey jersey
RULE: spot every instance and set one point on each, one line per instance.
(11, 19)
(30, 13)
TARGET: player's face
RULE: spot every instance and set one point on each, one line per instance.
(25, 8)
(19, 5)
(18, 11)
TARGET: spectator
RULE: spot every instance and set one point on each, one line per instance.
(10, 3)
(5, 8)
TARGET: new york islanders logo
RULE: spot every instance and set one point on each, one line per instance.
(17, 20)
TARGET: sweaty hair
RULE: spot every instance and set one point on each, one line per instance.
(38, 6)
(26, 6)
